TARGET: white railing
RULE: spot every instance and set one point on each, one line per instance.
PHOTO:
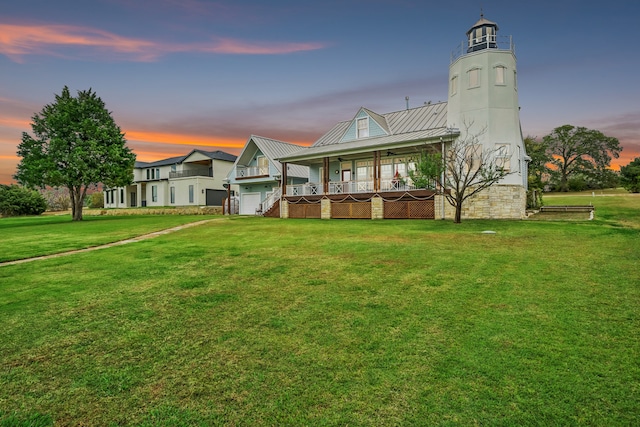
(349, 187)
(271, 199)
(306, 189)
(247, 171)
(485, 42)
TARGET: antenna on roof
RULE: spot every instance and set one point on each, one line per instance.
(406, 98)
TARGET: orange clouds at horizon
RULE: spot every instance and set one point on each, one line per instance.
(18, 40)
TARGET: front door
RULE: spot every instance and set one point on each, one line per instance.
(133, 199)
(346, 175)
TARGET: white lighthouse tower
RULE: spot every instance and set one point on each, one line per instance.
(483, 101)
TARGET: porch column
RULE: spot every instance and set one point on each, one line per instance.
(284, 179)
(376, 171)
(228, 199)
(325, 175)
(138, 195)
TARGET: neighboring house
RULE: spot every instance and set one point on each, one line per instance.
(196, 179)
(258, 175)
(359, 168)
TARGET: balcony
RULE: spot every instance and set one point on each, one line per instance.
(243, 172)
(191, 172)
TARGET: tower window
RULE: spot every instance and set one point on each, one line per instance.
(500, 75)
(454, 85)
(474, 77)
(363, 127)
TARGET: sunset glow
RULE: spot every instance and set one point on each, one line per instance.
(16, 41)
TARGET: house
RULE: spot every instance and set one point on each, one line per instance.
(360, 167)
(258, 175)
(195, 179)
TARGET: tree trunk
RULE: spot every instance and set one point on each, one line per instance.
(458, 218)
(77, 202)
(77, 210)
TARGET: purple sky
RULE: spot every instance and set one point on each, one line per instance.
(184, 74)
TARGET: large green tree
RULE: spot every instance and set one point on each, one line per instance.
(630, 176)
(579, 151)
(75, 144)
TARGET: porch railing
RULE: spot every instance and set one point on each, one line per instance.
(348, 187)
(248, 171)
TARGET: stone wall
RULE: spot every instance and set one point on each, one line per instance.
(496, 202)
(377, 208)
(284, 209)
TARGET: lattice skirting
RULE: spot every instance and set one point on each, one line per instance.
(360, 210)
(304, 210)
(416, 209)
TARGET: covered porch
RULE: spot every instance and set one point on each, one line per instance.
(371, 185)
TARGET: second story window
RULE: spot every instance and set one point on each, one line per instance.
(363, 127)
(263, 165)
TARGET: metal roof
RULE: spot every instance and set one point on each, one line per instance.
(214, 155)
(482, 22)
(405, 128)
(274, 149)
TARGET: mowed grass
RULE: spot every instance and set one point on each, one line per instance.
(258, 321)
(27, 237)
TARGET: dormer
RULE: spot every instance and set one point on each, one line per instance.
(366, 124)
(482, 35)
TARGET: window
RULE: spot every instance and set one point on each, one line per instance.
(172, 194)
(364, 170)
(191, 194)
(122, 195)
(173, 167)
(454, 85)
(363, 127)
(157, 173)
(106, 196)
(500, 75)
(503, 156)
(474, 77)
(263, 165)
(148, 174)
(154, 193)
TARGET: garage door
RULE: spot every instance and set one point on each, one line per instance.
(249, 202)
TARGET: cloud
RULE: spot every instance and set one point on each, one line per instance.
(17, 41)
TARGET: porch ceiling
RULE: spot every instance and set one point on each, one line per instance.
(395, 144)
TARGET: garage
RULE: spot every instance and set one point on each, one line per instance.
(249, 202)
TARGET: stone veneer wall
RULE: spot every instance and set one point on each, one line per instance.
(284, 209)
(377, 207)
(325, 209)
(496, 202)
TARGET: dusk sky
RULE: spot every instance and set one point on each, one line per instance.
(184, 74)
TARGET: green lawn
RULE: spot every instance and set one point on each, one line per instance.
(27, 237)
(259, 321)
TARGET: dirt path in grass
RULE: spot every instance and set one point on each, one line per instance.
(109, 245)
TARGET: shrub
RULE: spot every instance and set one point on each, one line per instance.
(57, 198)
(16, 200)
(96, 200)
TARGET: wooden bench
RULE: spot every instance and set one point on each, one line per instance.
(567, 208)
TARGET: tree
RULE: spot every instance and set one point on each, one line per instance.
(540, 158)
(15, 200)
(76, 144)
(578, 150)
(466, 170)
(630, 176)
(538, 170)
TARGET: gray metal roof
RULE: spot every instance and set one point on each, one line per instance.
(405, 128)
(274, 149)
(482, 22)
(214, 155)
